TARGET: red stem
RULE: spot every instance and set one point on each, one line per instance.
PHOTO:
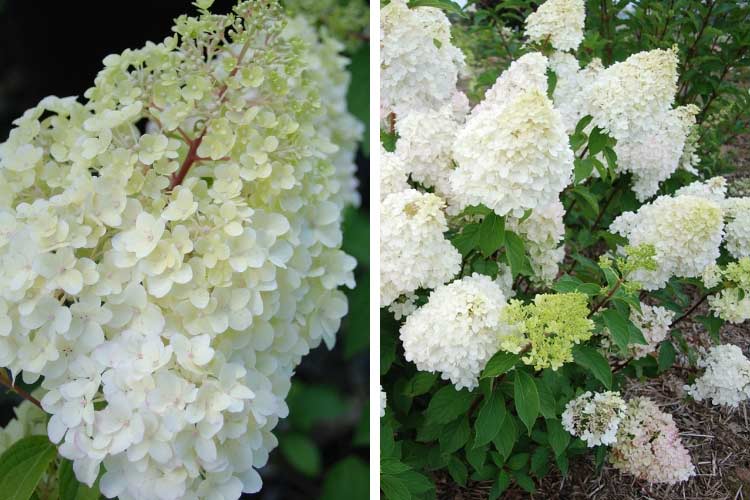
(191, 157)
(5, 380)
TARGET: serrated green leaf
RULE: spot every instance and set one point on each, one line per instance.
(506, 438)
(490, 419)
(582, 169)
(467, 240)
(458, 471)
(593, 361)
(420, 383)
(568, 283)
(515, 248)
(502, 483)
(598, 140)
(394, 488)
(22, 466)
(539, 461)
(524, 481)
(546, 399)
(583, 123)
(526, 399)
(455, 435)
(500, 363)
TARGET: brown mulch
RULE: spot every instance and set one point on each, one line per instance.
(718, 440)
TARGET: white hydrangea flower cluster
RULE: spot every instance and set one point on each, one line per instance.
(731, 304)
(513, 153)
(655, 155)
(29, 420)
(726, 380)
(413, 251)
(393, 174)
(419, 66)
(543, 232)
(166, 284)
(654, 323)
(594, 417)
(737, 239)
(458, 330)
(425, 146)
(714, 189)
(558, 21)
(649, 447)
(686, 232)
(572, 87)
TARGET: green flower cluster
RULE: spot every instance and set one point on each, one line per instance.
(552, 324)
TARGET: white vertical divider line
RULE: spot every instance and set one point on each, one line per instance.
(374, 249)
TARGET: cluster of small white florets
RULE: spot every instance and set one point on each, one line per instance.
(425, 142)
(413, 251)
(737, 214)
(572, 86)
(726, 380)
(686, 231)
(419, 66)
(166, 284)
(714, 189)
(732, 303)
(558, 21)
(595, 418)
(513, 153)
(654, 323)
(394, 177)
(458, 330)
(648, 445)
(543, 231)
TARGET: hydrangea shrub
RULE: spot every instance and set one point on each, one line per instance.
(572, 228)
(171, 249)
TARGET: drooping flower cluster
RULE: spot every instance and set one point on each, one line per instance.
(648, 445)
(552, 325)
(654, 323)
(459, 330)
(558, 21)
(166, 284)
(413, 251)
(726, 379)
(513, 153)
(737, 239)
(419, 65)
(686, 231)
(595, 418)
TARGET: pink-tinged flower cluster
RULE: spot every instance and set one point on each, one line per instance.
(649, 446)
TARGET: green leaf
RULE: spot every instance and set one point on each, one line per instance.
(446, 5)
(392, 466)
(546, 399)
(568, 283)
(611, 157)
(491, 233)
(467, 240)
(458, 471)
(22, 466)
(70, 488)
(526, 399)
(393, 487)
(618, 327)
(420, 383)
(595, 362)
(447, 404)
(587, 197)
(583, 123)
(302, 453)
(519, 263)
(311, 404)
(558, 437)
(490, 419)
(667, 356)
(524, 481)
(598, 140)
(582, 169)
(551, 82)
(540, 461)
(499, 364)
(502, 483)
(346, 479)
(455, 435)
(518, 461)
(506, 438)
